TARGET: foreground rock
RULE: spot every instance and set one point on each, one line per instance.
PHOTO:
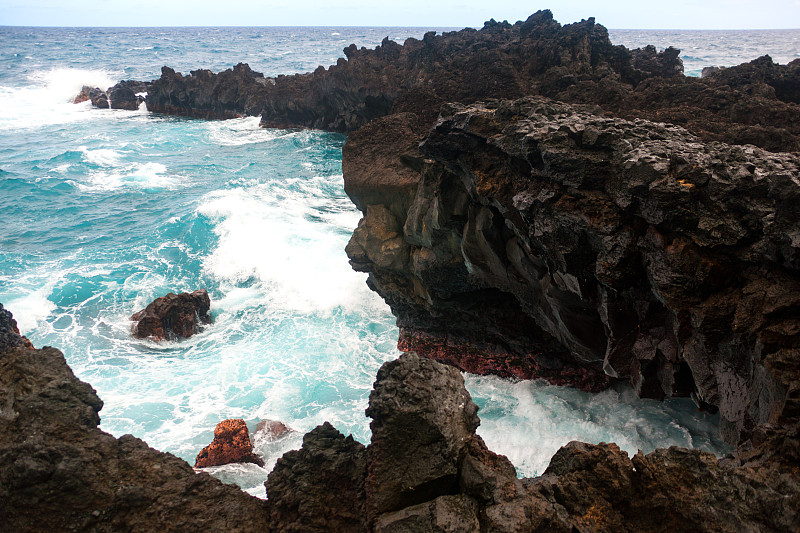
(59, 472)
(231, 445)
(426, 470)
(536, 239)
(172, 316)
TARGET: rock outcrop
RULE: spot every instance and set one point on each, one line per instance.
(172, 316)
(59, 472)
(127, 94)
(202, 94)
(543, 239)
(231, 444)
(270, 430)
(576, 63)
(425, 470)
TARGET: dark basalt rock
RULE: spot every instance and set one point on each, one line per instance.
(9, 333)
(425, 470)
(754, 103)
(232, 93)
(231, 444)
(320, 487)
(422, 422)
(123, 95)
(98, 97)
(59, 472)
(587, 487)
(172, 316)
(633, 248)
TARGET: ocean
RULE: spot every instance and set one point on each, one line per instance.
(105, 210)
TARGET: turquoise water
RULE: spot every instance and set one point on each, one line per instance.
(104, 210)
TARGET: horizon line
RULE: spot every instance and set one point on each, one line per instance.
(456, 28)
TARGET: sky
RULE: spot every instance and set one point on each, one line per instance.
(614, 14)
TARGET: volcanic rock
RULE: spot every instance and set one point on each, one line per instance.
(422, 421)
(232, 93)
(172, 316)
(545, 240)
(9, 333)
(59, 472)
(84, 95)
(270, 430)
(123, 95)
(320, 487)
(756, 104)
(586, 487)
(231, 445)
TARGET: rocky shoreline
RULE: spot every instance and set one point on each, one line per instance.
(424, 470)
(537, 202)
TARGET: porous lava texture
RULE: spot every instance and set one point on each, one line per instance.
(231, 444)
(753, 103)
(537, 239)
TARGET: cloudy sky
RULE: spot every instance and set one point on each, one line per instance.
(639, 14)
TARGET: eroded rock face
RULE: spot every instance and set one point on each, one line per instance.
(172, 316)
(59, 472)
(231, 444)
(545, 236)
(123, 95)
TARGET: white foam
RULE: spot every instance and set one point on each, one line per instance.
(269, 234)
(102, 156)
(529, 421)
(48, 98)
(149, 175)
(239, 132)
(32, 309)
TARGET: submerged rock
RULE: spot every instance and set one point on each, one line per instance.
(172, 316)
(270, 430)
(231, 445)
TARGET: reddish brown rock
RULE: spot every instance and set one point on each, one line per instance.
(172, 316)
(84, 95)
(231, 445)
(272, 429)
